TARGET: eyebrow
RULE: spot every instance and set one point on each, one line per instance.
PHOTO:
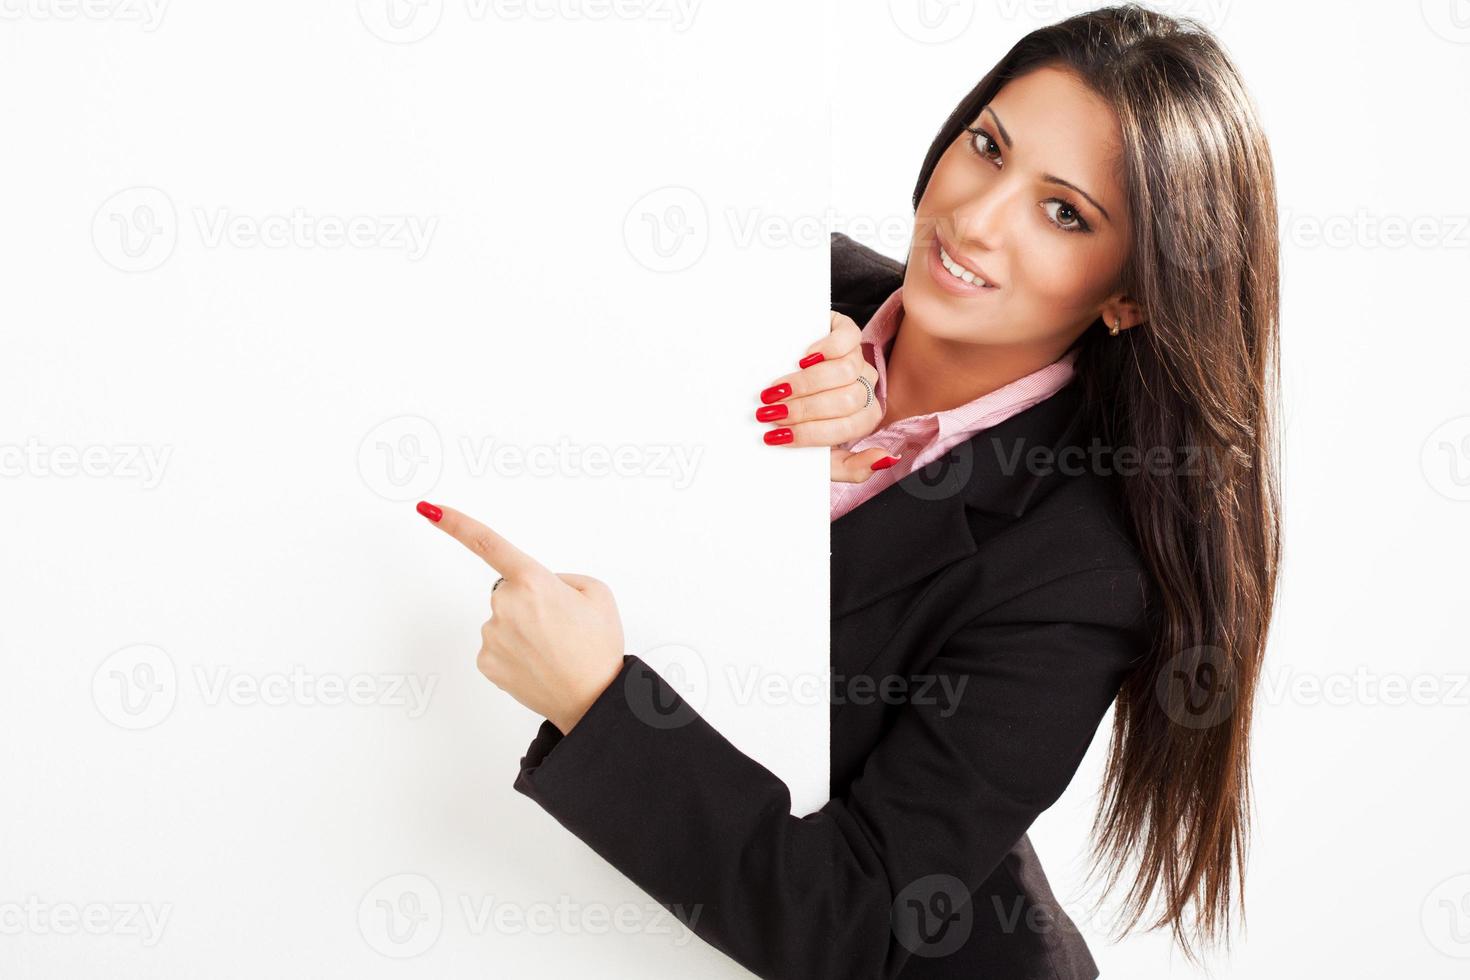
(1049, 178)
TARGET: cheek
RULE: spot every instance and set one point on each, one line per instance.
(1054, 271)
(950, 185)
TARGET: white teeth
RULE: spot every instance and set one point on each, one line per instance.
(957, 270)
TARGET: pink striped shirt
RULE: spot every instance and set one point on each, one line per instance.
(924, 438)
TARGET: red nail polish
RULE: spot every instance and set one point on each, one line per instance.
(884, 463)
(778, 436)
(775, 393)
(430, 511)
(810, 359)
(771, 413)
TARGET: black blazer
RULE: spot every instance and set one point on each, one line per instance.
(984, 612)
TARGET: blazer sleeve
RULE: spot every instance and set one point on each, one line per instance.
(707, 831)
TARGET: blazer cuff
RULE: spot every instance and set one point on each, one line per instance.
(544, 779)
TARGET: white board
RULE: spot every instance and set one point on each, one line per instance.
(276, 272)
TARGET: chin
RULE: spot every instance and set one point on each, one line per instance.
(939, 315)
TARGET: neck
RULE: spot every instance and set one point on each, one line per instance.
(926, 373)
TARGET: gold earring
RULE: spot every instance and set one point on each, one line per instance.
(1117, 325)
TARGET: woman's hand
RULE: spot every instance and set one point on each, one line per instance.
(553, 642)
(822, 403)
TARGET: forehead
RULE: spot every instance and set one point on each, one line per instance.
(1062, 127)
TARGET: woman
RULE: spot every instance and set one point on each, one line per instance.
(1073, 377)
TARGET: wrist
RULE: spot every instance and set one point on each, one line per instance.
(588, 697)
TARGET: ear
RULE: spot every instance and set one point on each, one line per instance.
(1121, 307)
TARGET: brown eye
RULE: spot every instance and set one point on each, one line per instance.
(1066, 217)
(982, 143)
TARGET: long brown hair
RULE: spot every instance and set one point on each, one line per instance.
(1200, 378)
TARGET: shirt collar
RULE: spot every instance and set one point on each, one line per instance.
(975, 414)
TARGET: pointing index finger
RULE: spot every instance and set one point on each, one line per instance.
(492, 548)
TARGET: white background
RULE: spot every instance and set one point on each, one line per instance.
(258, 417)
(1361, 865)
(302, 393)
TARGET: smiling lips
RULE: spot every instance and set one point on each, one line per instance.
(967, 281)
(967, 271)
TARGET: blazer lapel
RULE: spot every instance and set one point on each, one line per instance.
(920, 525)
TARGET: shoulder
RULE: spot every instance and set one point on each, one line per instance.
(1072, 556)
(861, 278)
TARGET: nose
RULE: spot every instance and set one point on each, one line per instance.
(978, 224)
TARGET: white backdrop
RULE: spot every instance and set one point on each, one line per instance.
(1360, 866)
(276, 271)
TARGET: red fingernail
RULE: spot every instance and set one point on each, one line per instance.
(809, 360)
(884, 463)
(775, 393)
(430, 511)
(771, 413)
(777, 436)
